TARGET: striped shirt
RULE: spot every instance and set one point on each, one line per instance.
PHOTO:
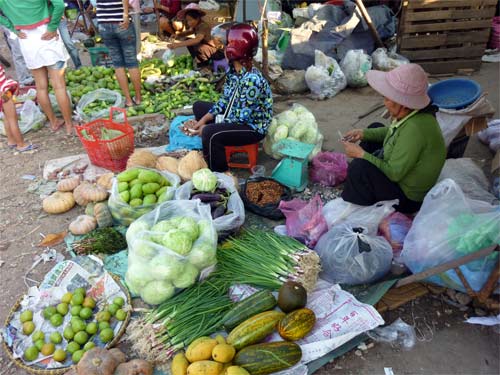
(109, 10)
(6, 84)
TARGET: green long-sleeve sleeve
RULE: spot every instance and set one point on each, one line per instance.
(375, 135)
(56, 12)
(28, 14)
(4, 21)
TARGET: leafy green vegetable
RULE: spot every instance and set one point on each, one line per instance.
(204, 180)
(101, 240)
(187, 277)
(202, 255)
(166, 267)
(189, 226)
(178, 241)
(156, 292)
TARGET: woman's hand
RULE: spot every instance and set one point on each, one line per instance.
(353, 135)
(48, 35)
(198, 129)
(352, 150)
(22, 35)
(125, 24)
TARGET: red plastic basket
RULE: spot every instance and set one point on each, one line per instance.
(110, 154)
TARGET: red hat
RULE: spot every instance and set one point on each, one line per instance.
(242, 42)
(181, 14)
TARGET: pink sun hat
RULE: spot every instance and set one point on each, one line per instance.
(406, 85)
(181, 14)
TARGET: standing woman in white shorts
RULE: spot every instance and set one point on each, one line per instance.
(35, 22)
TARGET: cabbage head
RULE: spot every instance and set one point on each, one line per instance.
(206, 230)
(144, 249)
(138, 275)
(287, 118)
(156, 292)
(280, 133)
(189, 226)
(175, 221)
(187, 277)
(273, 126)
(204, 180)
(310, 136)
(178, 241)
(166, 267)
(308, 119)
(203, 255)
(163, 226)
(299, 110)
(135, 228)
(298, 130)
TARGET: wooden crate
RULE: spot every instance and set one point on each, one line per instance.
(445, 36)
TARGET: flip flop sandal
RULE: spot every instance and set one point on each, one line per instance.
(29, 147)
(11, 146)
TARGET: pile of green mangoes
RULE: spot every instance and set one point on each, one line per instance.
(86, 324)
(139, 187)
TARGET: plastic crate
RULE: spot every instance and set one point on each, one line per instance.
(99, 56)
(110, 154)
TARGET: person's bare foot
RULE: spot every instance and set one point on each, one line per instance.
(69, 130)
(56, 126)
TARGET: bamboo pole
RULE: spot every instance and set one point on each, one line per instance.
(368, 20)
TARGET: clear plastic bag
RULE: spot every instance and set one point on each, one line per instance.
(448, 226)
(350, 255)
(325, 79)
(124, 214)
(114, 98)
(398, 334)
(328, 168)
(338, 211)
(29, 118)
(55, 104)
(155, 271)
(355, 64)
(168, 57)
(394, 229)
(386, 61)
(491, 135)
(235, 217)
(304, 220)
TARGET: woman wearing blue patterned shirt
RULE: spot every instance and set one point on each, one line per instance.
(245, 109)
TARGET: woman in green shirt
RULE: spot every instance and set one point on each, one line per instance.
(402, 161)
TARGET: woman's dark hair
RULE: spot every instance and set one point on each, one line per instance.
(193, 13)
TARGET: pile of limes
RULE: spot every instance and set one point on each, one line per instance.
(78, 335)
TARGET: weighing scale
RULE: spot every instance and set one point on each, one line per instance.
(292, 169)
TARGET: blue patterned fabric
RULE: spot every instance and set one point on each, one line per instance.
(253, 103)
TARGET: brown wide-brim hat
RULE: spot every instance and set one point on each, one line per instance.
(181, 14)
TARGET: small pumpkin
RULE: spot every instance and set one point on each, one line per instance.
(58, 202)
(78, 194)
(190, 163)
(297, 324)
(142, 158)
(167, 163)
(134, 367)
(106, 180)
(97, 361)
(94, 193)
(103, 215)
(68, 184)
(83, 224)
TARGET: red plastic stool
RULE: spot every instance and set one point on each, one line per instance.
(250, 150)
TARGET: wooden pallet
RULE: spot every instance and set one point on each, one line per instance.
(445, 36)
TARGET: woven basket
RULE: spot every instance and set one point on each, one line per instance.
(62, 370)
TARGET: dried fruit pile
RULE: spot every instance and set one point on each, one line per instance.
(264, 192)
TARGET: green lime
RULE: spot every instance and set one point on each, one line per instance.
(38, 335)
(39, 344)
(103, 325)
(91, 328)
(56, 337)
(26, 316)
(77, 299)
(56, 320)
(59, 355)
(81, 337)
(28, 328)
(75, 310)
(113, 309)
(31, 354)
(48, 348)
(78, 325)
(81, 291)
(62, 308)
(88, 346)
(72, 347)
(89, 302)
(49, 311)
(85, 313)
(77, 356)
(103, 316)
(120, 315)
(68, 333)
(106, 335)
(66, 298)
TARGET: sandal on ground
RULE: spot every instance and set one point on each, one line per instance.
(11, 146)
(30, 147)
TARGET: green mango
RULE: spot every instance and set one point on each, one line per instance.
(134, 182)
(125, 195)
(136, 191)
(163, 197)
(122, 186)
(146, 176)
(149, 199)
(127, 176)
(150, 188)
(161, 191)
(136, 202)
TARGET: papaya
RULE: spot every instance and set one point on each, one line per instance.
(135, 202)
(149, 199)
(128, 175)
(136, 191)
(150, 188)
(125, 196)
(146, 176)
(122, 186)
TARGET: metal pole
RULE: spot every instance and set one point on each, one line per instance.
(368, 20)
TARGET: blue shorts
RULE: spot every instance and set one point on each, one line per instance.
(120, 43)
(58, 65)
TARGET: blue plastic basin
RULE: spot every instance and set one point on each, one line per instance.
(455, 93)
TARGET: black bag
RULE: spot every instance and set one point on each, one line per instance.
(271, 211)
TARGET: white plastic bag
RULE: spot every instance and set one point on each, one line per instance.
(168, 57)
(209, 5)
(55, 104)
(398, 334)
(156, 272)
(325, 79)
(350, 255)
(339, 211)
(230, 222)
(448, 226)
(123, 213)
(29, 118)
(114, 98)
(382, 60)
(491, 135)
(355, 64)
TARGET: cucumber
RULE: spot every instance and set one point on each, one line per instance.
(241, 311)
(262, 359)
(255, 329)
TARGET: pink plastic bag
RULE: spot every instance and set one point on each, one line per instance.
(329, 168)
(394, 229)
(304, 220)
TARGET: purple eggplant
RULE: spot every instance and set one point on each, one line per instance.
(218, 212)
(208, 197)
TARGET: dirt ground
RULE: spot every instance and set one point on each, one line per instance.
(446, 345)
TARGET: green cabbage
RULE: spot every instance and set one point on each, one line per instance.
(280, 133)
(178, 241)
(135, 228)
(204, 180)
(163, 226)
(287, 118)
(138, 274)
(165, 267)
(299, 130)
(175, 221)
(188, 276)
(144, 249)
(310, 136)
(307, 118)
(272, 127)
(157, 292)
(189, 226)
(206, 230)
(202, 255)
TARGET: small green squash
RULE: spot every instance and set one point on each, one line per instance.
(262, 359)
(297, 324)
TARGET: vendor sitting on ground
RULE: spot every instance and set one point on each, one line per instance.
(244, 112)
(402, 161)
(167, 10)
(201, 45)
